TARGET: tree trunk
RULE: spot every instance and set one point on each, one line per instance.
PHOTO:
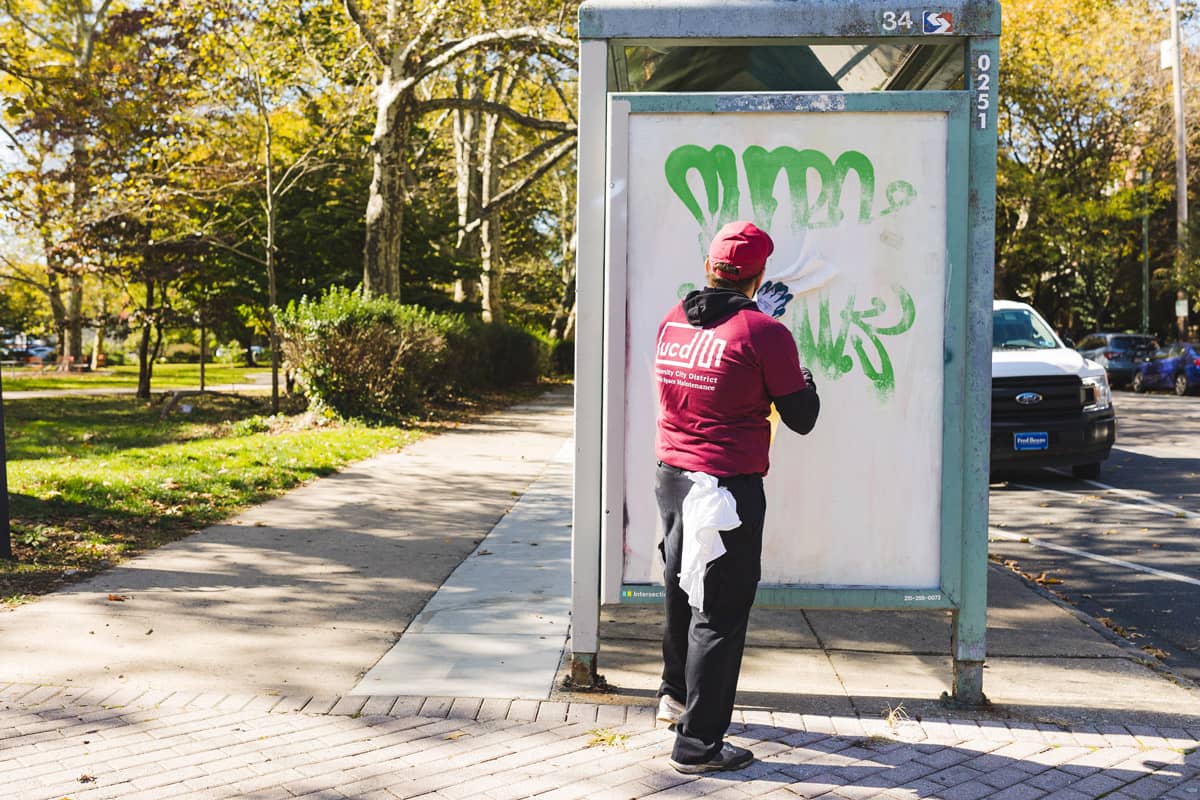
(563, 325)
(97, 360)
(489, 232)
(272, 281)
(145, 357)
(385, 206)
(203, 349)
(80, 166)
(467, 188)
(73, 351)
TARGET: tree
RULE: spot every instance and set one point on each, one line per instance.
(411, 43)
(1082, 118)
(284, 65)
(48, 70)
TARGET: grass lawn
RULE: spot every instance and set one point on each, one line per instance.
(165, 376)
(93, 480)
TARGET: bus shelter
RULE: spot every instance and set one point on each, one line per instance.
(862, 136)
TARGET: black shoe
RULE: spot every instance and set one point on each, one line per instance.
(729, 757)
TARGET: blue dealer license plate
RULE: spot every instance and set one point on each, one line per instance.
(1031, 441)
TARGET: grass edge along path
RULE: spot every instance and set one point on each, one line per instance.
(165, 376)
(83, 503)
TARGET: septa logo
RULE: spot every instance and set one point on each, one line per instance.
(684, 346)
(938, 22)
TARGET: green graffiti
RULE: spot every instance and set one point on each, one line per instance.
(762, 170)
(718, 172)
(826, 350)
(685, 289)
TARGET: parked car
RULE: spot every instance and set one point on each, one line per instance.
(1176, 367)
(19, 355)
(1051, 407)
(1119, 353)
(43, 351)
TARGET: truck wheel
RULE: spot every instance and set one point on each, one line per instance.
(1138, 384)
(1181, 384)
(1088, 472)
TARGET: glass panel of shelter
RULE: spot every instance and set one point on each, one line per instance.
(765, 67)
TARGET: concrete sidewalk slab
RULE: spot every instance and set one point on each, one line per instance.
(1044, 663)
(299, 595)
(497, 626)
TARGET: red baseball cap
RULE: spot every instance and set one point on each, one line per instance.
(740, 250)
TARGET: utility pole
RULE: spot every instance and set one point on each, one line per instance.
(1181, 200)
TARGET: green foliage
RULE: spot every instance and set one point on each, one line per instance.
(374, 358)
(1085, 153)
(363, 356)
(493, 355)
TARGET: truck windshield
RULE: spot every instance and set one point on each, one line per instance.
(1018, 329)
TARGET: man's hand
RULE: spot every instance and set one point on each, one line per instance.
(772, 299)
(808, 378)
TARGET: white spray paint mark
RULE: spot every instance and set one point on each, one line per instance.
(1174, 511)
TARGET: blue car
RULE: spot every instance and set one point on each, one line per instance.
(1119, 353)
(1176, 367)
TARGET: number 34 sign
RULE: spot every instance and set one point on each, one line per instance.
(932, 22)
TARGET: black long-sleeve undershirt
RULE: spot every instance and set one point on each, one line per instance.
(799, 410)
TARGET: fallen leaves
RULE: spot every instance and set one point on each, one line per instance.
(603, 737)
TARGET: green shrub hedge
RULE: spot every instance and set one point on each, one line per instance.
(371, 357)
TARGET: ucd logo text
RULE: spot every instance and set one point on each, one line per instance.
(684, 346)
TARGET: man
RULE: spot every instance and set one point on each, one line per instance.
(720, 364)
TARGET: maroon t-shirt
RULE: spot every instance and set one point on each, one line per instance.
(715, 385)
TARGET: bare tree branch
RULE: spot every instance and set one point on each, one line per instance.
(562, 96)
(496, 202)
(220, 245)
(89, 39)
(528, 38)
(479, 104)
(524, 38)
(369, 34)
(538, 150)
(422, 34)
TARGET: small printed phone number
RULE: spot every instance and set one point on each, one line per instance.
(917, 598)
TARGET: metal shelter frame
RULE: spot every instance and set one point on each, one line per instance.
(606, 29)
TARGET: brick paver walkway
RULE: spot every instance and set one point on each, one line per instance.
(87, 745)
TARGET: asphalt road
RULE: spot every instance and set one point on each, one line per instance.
(1125, 548)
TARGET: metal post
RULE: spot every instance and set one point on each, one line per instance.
(5, 529)
(1181, 170)
(969, 619)
(589, 366)
(1145, 253)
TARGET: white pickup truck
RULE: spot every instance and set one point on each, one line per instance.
(1051, 407)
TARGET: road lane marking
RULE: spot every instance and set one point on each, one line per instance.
(1013, 537)
(1174, 511)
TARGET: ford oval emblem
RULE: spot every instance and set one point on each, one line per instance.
(1029, 398)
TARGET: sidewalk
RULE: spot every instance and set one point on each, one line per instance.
(393, 631)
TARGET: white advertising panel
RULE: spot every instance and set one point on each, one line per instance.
(856, 205)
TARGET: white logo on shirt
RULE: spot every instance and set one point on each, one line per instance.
(684, 346)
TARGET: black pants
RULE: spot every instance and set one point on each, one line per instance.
(702, 649)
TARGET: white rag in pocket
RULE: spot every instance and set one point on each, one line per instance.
(708, 509)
